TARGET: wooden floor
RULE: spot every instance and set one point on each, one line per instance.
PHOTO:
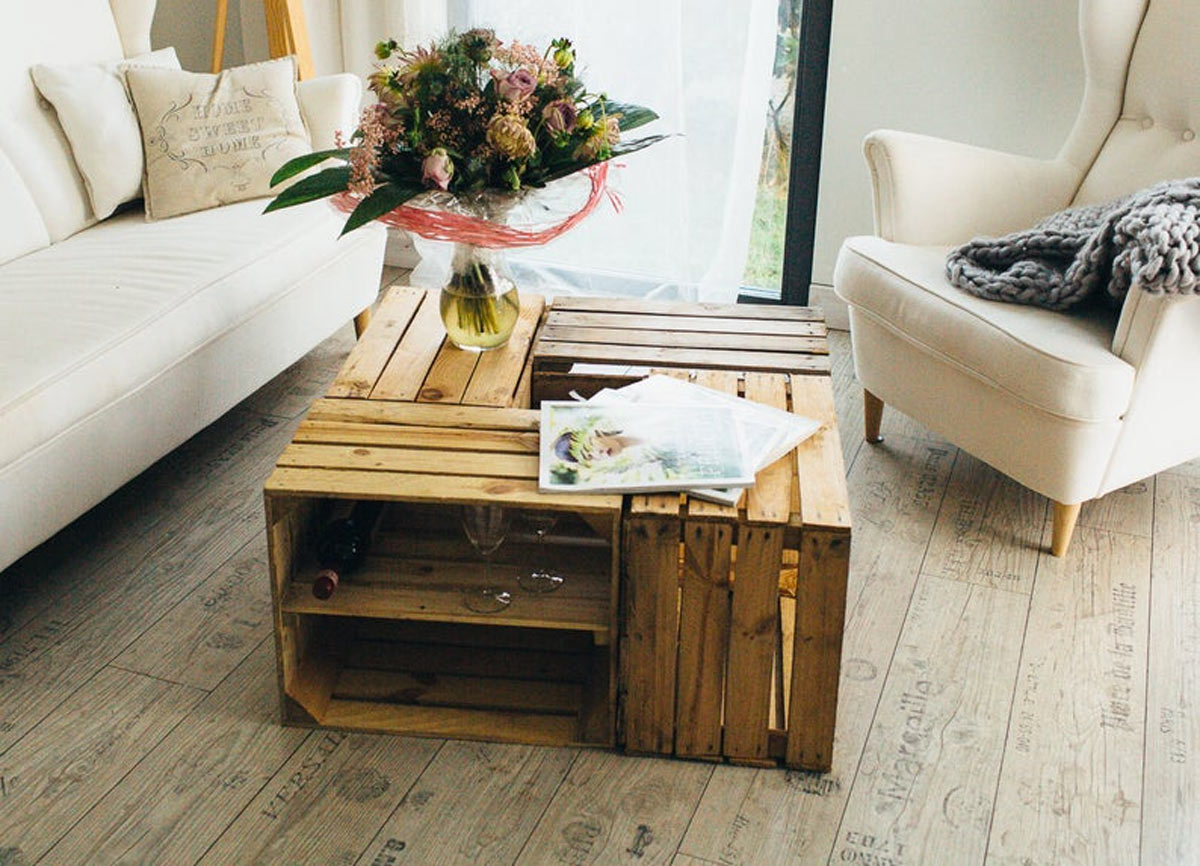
(997, 705)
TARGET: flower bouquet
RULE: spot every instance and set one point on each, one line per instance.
(465, 131)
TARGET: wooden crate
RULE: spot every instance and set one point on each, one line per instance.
(717, 662)
(395, 649)
(585, 344)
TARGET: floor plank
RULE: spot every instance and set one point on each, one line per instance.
(117, 610)
(56, 773)
(475, 803)
(927, 777)
(1171, 788)
(1071, 781)
(209, 633)
(614, 809)
(989, 529)
(176, 802)
(1130, 510)
(326, 802)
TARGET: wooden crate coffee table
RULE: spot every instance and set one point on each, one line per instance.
(671, 635)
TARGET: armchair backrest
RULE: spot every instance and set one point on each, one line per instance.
(1141, 109)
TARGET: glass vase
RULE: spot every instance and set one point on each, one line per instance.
(479, 302)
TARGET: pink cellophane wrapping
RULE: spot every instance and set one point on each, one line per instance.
(447, 225)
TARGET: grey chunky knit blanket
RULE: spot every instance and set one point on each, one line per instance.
(1150, 240)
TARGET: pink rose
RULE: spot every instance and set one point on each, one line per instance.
(517, 85)
(559, 116)
(437, 169)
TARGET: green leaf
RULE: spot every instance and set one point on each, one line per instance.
(623, 147)
(323, 183)
(384, 199)
(630, 116)
(293, 167)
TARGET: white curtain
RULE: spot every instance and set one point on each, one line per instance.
(703, 65)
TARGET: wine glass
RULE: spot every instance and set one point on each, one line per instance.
(485, 527)
(540, 579)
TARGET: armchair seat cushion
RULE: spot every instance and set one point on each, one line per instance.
(1060, 363)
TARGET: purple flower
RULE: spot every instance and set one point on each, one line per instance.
(437, 169)
(559, 116)
(517, 85)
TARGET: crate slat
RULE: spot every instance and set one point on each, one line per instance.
(392, 435)
(689, 308)
(738, 359)
(448, 375)
(770, 499)
(452, 489)
(752, 637)
(425, 460)
(452, 659)
(419, 414)
(703, 636)
(652, 623)
(824, 498)
(499, 369)
(699, 324)
(448, 690)
(682, 339)
(816, 662)
(401, 379)
(374, 348)
(539, 729)
(425, 589)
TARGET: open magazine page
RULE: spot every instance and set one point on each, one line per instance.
(627, 448)
(767, 433)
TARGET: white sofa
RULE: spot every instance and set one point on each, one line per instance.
(121, 339)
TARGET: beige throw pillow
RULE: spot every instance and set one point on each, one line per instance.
(97, 117)
(215, 139)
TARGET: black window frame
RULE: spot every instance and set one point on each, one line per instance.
(804, 167)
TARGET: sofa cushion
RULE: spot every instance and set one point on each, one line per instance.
(215, 139)
(88, 320)
(97, 117)
(1058, 362)
(46, 31)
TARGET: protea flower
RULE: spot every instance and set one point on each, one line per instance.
(511, 137)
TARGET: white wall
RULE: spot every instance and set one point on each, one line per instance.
(188, 25)
(1006, 75)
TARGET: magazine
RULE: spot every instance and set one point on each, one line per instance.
(623, 447)
(767, 433)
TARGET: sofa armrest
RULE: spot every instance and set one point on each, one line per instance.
(330, 104)
(931, 191)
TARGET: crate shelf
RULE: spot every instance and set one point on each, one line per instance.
(462, 680)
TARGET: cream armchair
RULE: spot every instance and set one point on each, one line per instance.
(1071, 405)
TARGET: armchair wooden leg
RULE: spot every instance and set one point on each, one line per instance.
(1064, 526)
(361, 321)
(872, 416)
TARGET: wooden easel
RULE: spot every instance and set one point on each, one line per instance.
(287, 34)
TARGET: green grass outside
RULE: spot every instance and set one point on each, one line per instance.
(764, 261)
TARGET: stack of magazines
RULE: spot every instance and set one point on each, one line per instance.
(663, 434)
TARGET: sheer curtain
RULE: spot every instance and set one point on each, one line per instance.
(703, 65)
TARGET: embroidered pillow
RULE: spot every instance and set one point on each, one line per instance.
(215, 139)
(97, 117)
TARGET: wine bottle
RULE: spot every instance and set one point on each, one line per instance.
(342, 545)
